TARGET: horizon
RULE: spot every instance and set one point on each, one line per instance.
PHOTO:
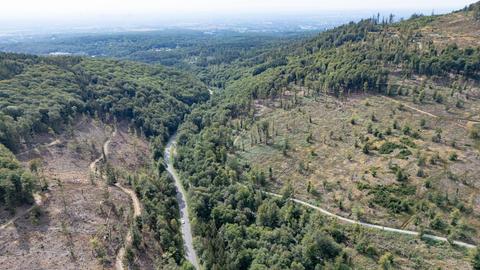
(28, 15)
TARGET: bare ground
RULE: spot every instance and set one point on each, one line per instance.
(78, 210)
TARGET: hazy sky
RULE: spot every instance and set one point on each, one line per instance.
(20, 12)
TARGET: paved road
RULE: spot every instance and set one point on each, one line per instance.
(182, 202)
(373, 226)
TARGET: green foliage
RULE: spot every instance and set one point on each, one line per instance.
(388, 147)
(401, 175)
(476, 259)
(453, 156)
(475, 8)
(386, 261)
(157, 193)
(318, 247)
(394, 197)
(16, 184)
(237, 225)
(474, 132)
(50, 92)
(438, 223)
(45, 94)
(268, 214)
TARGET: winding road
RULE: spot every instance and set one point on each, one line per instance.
(372, 226)
(182, 203)
(137, 209)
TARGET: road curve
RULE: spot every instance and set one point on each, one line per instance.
(137, 208)
(182, 203)
(137, 211)
(372, 226)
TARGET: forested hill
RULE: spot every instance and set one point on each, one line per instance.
(361, 56)
(44, 94)
(241, 228)
(40, 95)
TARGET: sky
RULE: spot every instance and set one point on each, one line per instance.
(24, 12)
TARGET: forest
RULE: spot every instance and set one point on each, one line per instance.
(235, 224)
(48, 94)
(256, 231)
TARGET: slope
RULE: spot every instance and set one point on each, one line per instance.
(316, 120)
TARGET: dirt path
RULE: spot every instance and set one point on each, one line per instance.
(411, 107)
(38, 197)
(39, 200)
(372, 226)
(137, 209)
(182, 203)
(469, 121)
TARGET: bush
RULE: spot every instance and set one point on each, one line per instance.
(388, 147)
(366, 149)
(476, 259)
(437, 223)
(404, 153)
(453, 157)
(386, 261)
(474, 132)
(363, 246)
(401, 175)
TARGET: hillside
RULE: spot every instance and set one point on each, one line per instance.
(373, 121)
(357, 148)
(57, 114)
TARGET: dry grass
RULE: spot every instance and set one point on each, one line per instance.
(459, 28)
(334, 164)
(76, 212)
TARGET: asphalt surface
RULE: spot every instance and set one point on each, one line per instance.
(182, 203)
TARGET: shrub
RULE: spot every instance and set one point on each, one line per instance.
(386, 261)
(366, 149)
(401, 175)
(404, 153)
(408, 142)
(423, 123)
(453, 156)
(437, 223)
(388, 147)
(476, 259)
(428, 183)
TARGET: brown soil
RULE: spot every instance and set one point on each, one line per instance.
(78, 209)
(127, 151)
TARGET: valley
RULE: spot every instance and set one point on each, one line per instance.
(357, 147)
(182, 203)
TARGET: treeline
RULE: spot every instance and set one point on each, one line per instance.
(354, 57)
(160, 220)
(51, 92)
(237, 226)
(16, 184)
(46, 94)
